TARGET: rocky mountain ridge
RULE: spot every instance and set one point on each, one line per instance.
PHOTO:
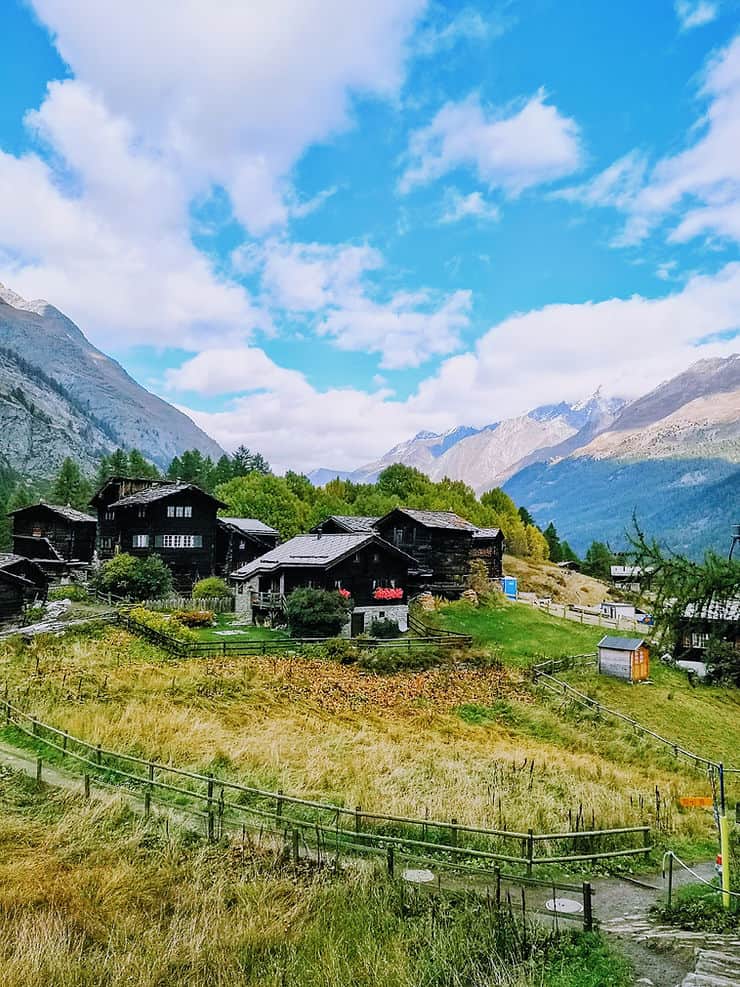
(60, 395)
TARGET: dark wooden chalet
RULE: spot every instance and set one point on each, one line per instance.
(176, 521)
(56, 537)
(344, 524)
(488, 546)
(115, 488)
(240, 540)
(21, 582)
(440, 541)
(719, 621)
(372, 571)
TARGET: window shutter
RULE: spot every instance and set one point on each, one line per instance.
(197, 541)
(158, 541)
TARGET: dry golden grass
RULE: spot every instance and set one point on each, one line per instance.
(563, 586)
(468, 744)
(90, 896)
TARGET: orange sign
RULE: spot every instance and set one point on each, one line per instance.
(696, 802)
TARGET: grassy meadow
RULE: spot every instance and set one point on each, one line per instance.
(460, 742)
(91, 895)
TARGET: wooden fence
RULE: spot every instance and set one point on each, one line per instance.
(216, 604)
(543, 675)
(214, 649)
(323, 824)
(584, 615)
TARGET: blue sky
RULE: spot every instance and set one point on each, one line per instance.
(320, 229)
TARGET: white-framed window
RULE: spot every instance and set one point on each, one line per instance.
(142, 511)
(699, 640)
(178, 541)
(141, 541)
(242, 546)
(337, 584)
(110, 515)
(179, 510)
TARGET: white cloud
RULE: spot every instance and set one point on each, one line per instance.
(468, 25)
(530, 146)
(474, 205)
(697, 190)
(556, 353)
(110, 245)
(235, 93)
(695, 13)
(330, 283)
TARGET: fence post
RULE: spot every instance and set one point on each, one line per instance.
(279, 805)
(38, 772)
(530, 851)
(646, 839)
(7, 711)
(296, 847)
(147, 803)
(453, 832)
(87, 786)
(391, 861)
(588, 914)
(670, 879)
(210, 807)
(497, 872)
(99, 755)
(358, 818)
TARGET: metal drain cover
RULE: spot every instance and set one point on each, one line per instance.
(564, 906)
(418, 876)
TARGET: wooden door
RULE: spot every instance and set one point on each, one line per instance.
(358, 623)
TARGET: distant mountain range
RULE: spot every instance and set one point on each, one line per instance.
(60, 396)
(671, 457)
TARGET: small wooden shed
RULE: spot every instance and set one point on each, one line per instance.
(624, 657)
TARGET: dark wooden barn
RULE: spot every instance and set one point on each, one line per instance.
(21, 582)
(176, 521)
(53, 535)
(440, 541)
(715, 621)
(114, 489)
(373, 572)
(488, 546)
(239, 540)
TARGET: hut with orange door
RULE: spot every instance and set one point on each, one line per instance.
(624, 657)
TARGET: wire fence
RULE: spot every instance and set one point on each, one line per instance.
(543, 676)
(445, 842)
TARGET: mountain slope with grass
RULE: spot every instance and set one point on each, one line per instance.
(76, 390)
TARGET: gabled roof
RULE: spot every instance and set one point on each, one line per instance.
(69, 513)
(621, 643)
(351, 523)
(8, 561)
(249, 525)
(486, 533)
(433, 519)
(316, 551)
(144, 480)
(153, 494)
(722, 610)
(19, 541)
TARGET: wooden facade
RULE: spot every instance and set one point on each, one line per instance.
(69, 534)
(440, 541)
(488, 547)
(241, 540)
(22, 582)
(718, 621)
(114, 489)
(625, 658)
(175, 521)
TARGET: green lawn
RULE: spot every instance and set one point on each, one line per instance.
(225, 622)
(521, 633)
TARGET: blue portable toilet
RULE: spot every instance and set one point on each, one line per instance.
(509, 585)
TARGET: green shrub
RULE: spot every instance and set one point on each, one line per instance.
(134, 578)
(384, 628)
(386, 661)
(339, 649)
(698, 907)
(211, 587)
(316, 612)
(163, 623)
(74, 592)
(33, 615)
(194, 618)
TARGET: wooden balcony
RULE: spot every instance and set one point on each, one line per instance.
(268, 601)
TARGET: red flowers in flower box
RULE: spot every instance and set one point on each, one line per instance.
(387, 593)
(345, 593)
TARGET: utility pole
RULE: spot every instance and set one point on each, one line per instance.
(724, 838)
